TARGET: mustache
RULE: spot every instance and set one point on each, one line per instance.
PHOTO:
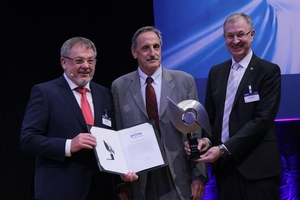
(152, 58)
(84, 71)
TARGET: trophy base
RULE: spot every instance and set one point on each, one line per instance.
(195, 153)
(194, 156)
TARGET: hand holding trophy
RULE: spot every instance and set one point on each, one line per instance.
(188, 117)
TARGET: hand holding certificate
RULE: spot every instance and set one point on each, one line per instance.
(133, 149)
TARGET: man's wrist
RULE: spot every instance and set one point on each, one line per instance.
(224, 151)
(208, 141)
(201, 178)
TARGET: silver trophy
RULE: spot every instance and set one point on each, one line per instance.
(188, 117)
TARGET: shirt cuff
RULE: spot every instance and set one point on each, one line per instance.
(68, 148)
(224, 150)
(205, 138)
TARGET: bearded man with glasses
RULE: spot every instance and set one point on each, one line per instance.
(55, 128)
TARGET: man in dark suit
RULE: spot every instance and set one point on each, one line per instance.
(55, 129)
(245, 153)
(181, 179)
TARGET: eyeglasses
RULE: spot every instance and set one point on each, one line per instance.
(80, 61)
(239, 36)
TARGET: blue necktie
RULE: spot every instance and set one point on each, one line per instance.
(232, 86)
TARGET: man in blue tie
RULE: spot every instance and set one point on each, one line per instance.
(245, 154)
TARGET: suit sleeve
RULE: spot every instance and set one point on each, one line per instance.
(33, 138)
(198, 170)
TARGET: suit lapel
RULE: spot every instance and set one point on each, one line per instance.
(135, 91)
(223, 82)
(98, 108)
(68, 95)
(167, 88)
(248, 73)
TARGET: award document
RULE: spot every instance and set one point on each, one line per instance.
(134, 149)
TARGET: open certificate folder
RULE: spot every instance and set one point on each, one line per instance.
(133, 149)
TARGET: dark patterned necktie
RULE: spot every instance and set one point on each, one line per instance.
(85, 107)
(151, 103)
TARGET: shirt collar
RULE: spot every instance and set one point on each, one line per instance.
(156, 76)
(245, 62)
(73, 85)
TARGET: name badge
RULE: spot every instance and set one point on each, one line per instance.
(106, 120)
(251, 97)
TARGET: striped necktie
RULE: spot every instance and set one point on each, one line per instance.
(232, 86)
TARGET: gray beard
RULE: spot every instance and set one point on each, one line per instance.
(83, 82)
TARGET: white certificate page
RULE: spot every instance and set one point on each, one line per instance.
(129, 150)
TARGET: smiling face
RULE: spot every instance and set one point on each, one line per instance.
(238, 36)
(79, 66)
(147, 52)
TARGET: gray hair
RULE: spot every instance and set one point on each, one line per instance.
(66, 47)
(143, 30)
(236, 16)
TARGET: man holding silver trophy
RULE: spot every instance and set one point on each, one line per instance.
(181, 179)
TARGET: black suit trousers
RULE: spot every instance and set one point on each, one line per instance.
(233, 185)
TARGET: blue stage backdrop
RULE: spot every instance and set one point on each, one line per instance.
(192, 32)
(193, 40)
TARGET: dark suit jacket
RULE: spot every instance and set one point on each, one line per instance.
(52, 116)
(252, 131)
(130, 110)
